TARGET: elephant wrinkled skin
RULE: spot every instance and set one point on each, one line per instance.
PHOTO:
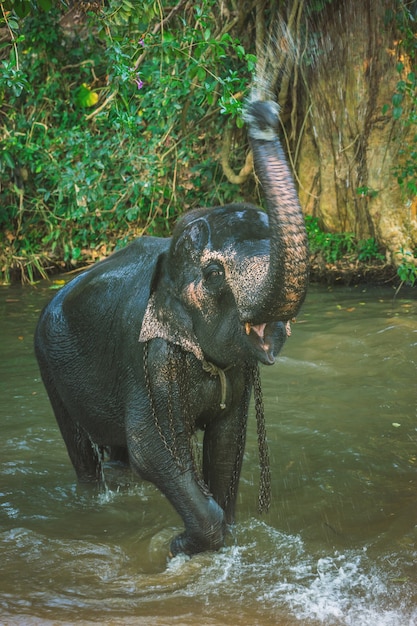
(162, 337)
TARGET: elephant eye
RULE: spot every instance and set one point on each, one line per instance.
(214, 274)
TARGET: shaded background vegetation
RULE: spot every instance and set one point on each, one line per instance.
(116, 116)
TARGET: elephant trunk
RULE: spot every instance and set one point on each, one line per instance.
(285, 285)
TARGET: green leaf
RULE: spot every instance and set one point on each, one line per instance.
(251, 61)
(85, 97)
(401, 86)
(22, 7)
(45, 5)
(8, 159)
(397, 99)
(76, 253)
(13, 25)
(226, 38)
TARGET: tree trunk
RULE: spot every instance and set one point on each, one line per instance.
(350, 148)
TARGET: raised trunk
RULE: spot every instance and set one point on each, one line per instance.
(286, 282)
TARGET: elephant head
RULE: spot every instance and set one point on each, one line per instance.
(234, 275)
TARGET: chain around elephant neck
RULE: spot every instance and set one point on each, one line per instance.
(264, 497)
(170, 448)
(169, 428)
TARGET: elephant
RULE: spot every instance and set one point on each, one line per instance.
(161, 340)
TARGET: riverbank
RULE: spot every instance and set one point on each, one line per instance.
(346, 271)
(352, 272)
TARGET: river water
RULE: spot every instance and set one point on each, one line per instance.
(338, 546)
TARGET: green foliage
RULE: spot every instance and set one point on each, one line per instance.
(403, 106)
(406, 96)
(333, 246)
(369, 250)
(194, 65)
(112, 127)
(367, 191)
(336, 246)
(118, 137)
(407, 269)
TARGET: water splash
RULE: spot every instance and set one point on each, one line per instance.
(284, 579)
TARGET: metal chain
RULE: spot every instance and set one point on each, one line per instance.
(241, 440)
(186, 414)
(264, 497)
(151, 400)
(188, 419)
(173, 372)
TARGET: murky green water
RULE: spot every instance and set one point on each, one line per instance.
(339, 544)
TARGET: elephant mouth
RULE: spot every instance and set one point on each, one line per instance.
(261, 341)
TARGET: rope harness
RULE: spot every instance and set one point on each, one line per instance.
(177, 377)
(217, 371)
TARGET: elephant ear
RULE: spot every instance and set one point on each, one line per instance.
(166, 316)
(177, 330)
(191, 236)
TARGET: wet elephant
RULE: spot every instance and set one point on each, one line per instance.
(162, 338)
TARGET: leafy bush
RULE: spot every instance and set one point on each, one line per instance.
(369, 250)
(403, 104)
(336, 246)
(112, 127)
(403, 107)
(333, 246)
(407, 269)
(111, 133)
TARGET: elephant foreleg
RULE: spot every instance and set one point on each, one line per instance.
(203, 518)
(224, 443)
(173, 473)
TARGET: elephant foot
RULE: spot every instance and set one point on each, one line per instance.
(213, 539)
(184, 544)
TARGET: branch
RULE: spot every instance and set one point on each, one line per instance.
(103, 105)
(159, 26)
(12, 37)
(260, 28)
(235, 179)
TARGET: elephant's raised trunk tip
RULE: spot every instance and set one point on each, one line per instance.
(262, 119)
